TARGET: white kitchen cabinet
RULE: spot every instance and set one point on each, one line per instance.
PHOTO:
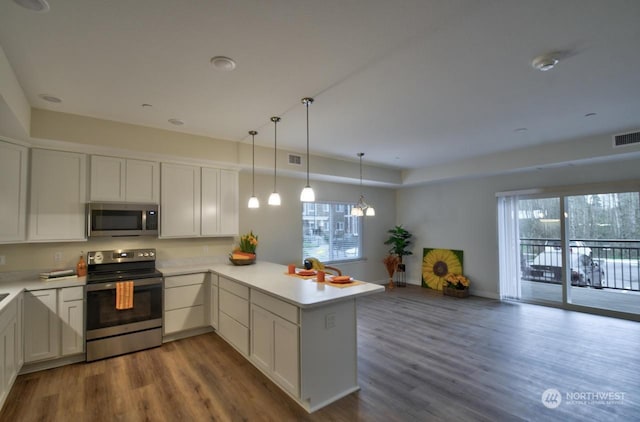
(41, 325)
(9, 339)
(124, 180)
(20, 331)
(53, 323)
(198, 201)
(275, 340)
(13, 192)
(219, 202)
(71, 313)
(184, 302)
(180, 201)
(58, 196)
(234, 314)
(214, 307)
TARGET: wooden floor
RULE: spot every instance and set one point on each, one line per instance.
(422, 357)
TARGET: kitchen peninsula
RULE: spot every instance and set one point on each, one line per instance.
(300, 333)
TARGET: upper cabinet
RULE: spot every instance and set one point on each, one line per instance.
(124, 180)
(180, 201)
(58, 195)
(198, 201)
(13, 192)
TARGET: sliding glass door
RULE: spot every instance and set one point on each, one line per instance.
(578, 251)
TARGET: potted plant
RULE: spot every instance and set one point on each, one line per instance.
(456, 285)
(399, 240)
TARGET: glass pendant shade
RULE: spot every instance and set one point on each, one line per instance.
(274, 199)
(307, 194)
(371, 212)
(254, 202)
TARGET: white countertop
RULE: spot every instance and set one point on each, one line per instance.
(271, 279)
(13, 288)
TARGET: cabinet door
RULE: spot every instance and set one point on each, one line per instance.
(286, 353)
(210, 202)
(20, 332)
(180, 201)
(107, 178)
(72, 317)
(58, 196)
(142, 181)
(7, 342)
(228, 203)
(13, 191)
(262, 338)
(213, 305)
(41, 326)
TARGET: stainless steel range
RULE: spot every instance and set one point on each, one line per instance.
(124, 302)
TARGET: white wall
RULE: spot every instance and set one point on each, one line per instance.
(462, 215)
(280, 228)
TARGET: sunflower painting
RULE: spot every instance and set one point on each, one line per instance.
(437, 263)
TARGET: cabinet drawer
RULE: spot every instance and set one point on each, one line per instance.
(235, 288)
(183, 297)
(234, 333)
(235, 307)
(8, 314)
(184, 319)
(276, 306)
(184, 280)
(72, 293)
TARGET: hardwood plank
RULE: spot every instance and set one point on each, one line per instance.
(421, 356)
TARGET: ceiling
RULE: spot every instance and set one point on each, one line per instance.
(412, 83)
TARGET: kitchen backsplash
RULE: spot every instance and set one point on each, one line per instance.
(35, 257)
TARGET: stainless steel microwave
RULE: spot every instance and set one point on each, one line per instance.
(116, 219)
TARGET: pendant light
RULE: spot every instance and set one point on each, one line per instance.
(274, 198)
(253, 201)
(307, 194)
(362, 208)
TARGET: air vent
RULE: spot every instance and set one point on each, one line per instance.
(625, 139)
(295, 160)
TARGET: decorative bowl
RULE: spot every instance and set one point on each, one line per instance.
(240, 262)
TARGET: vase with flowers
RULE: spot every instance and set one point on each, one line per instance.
(456, 285)
(245, 253)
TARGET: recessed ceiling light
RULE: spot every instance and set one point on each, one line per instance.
(50, 98)
(34, 5)
(590, 114)
(176, 122)
(223, 64)
(545, 62)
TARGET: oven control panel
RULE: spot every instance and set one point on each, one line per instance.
(121, 255)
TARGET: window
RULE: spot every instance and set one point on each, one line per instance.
(330, 233)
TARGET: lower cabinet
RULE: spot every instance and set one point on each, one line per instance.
(233, 323)
(275, 341)
(214, 306)
(53, 323)
(10, 347)
(184, 302)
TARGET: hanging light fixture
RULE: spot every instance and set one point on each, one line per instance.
(362, 208)
(253, 201)
(274, 198)
(307, 194)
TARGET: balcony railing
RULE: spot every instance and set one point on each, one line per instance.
(611, 264)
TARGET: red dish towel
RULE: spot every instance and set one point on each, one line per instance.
(124, 295)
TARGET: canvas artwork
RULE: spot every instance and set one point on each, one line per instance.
(437, 263)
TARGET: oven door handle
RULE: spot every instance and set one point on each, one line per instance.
(112, 285)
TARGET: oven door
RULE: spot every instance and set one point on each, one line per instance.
(103, 319)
